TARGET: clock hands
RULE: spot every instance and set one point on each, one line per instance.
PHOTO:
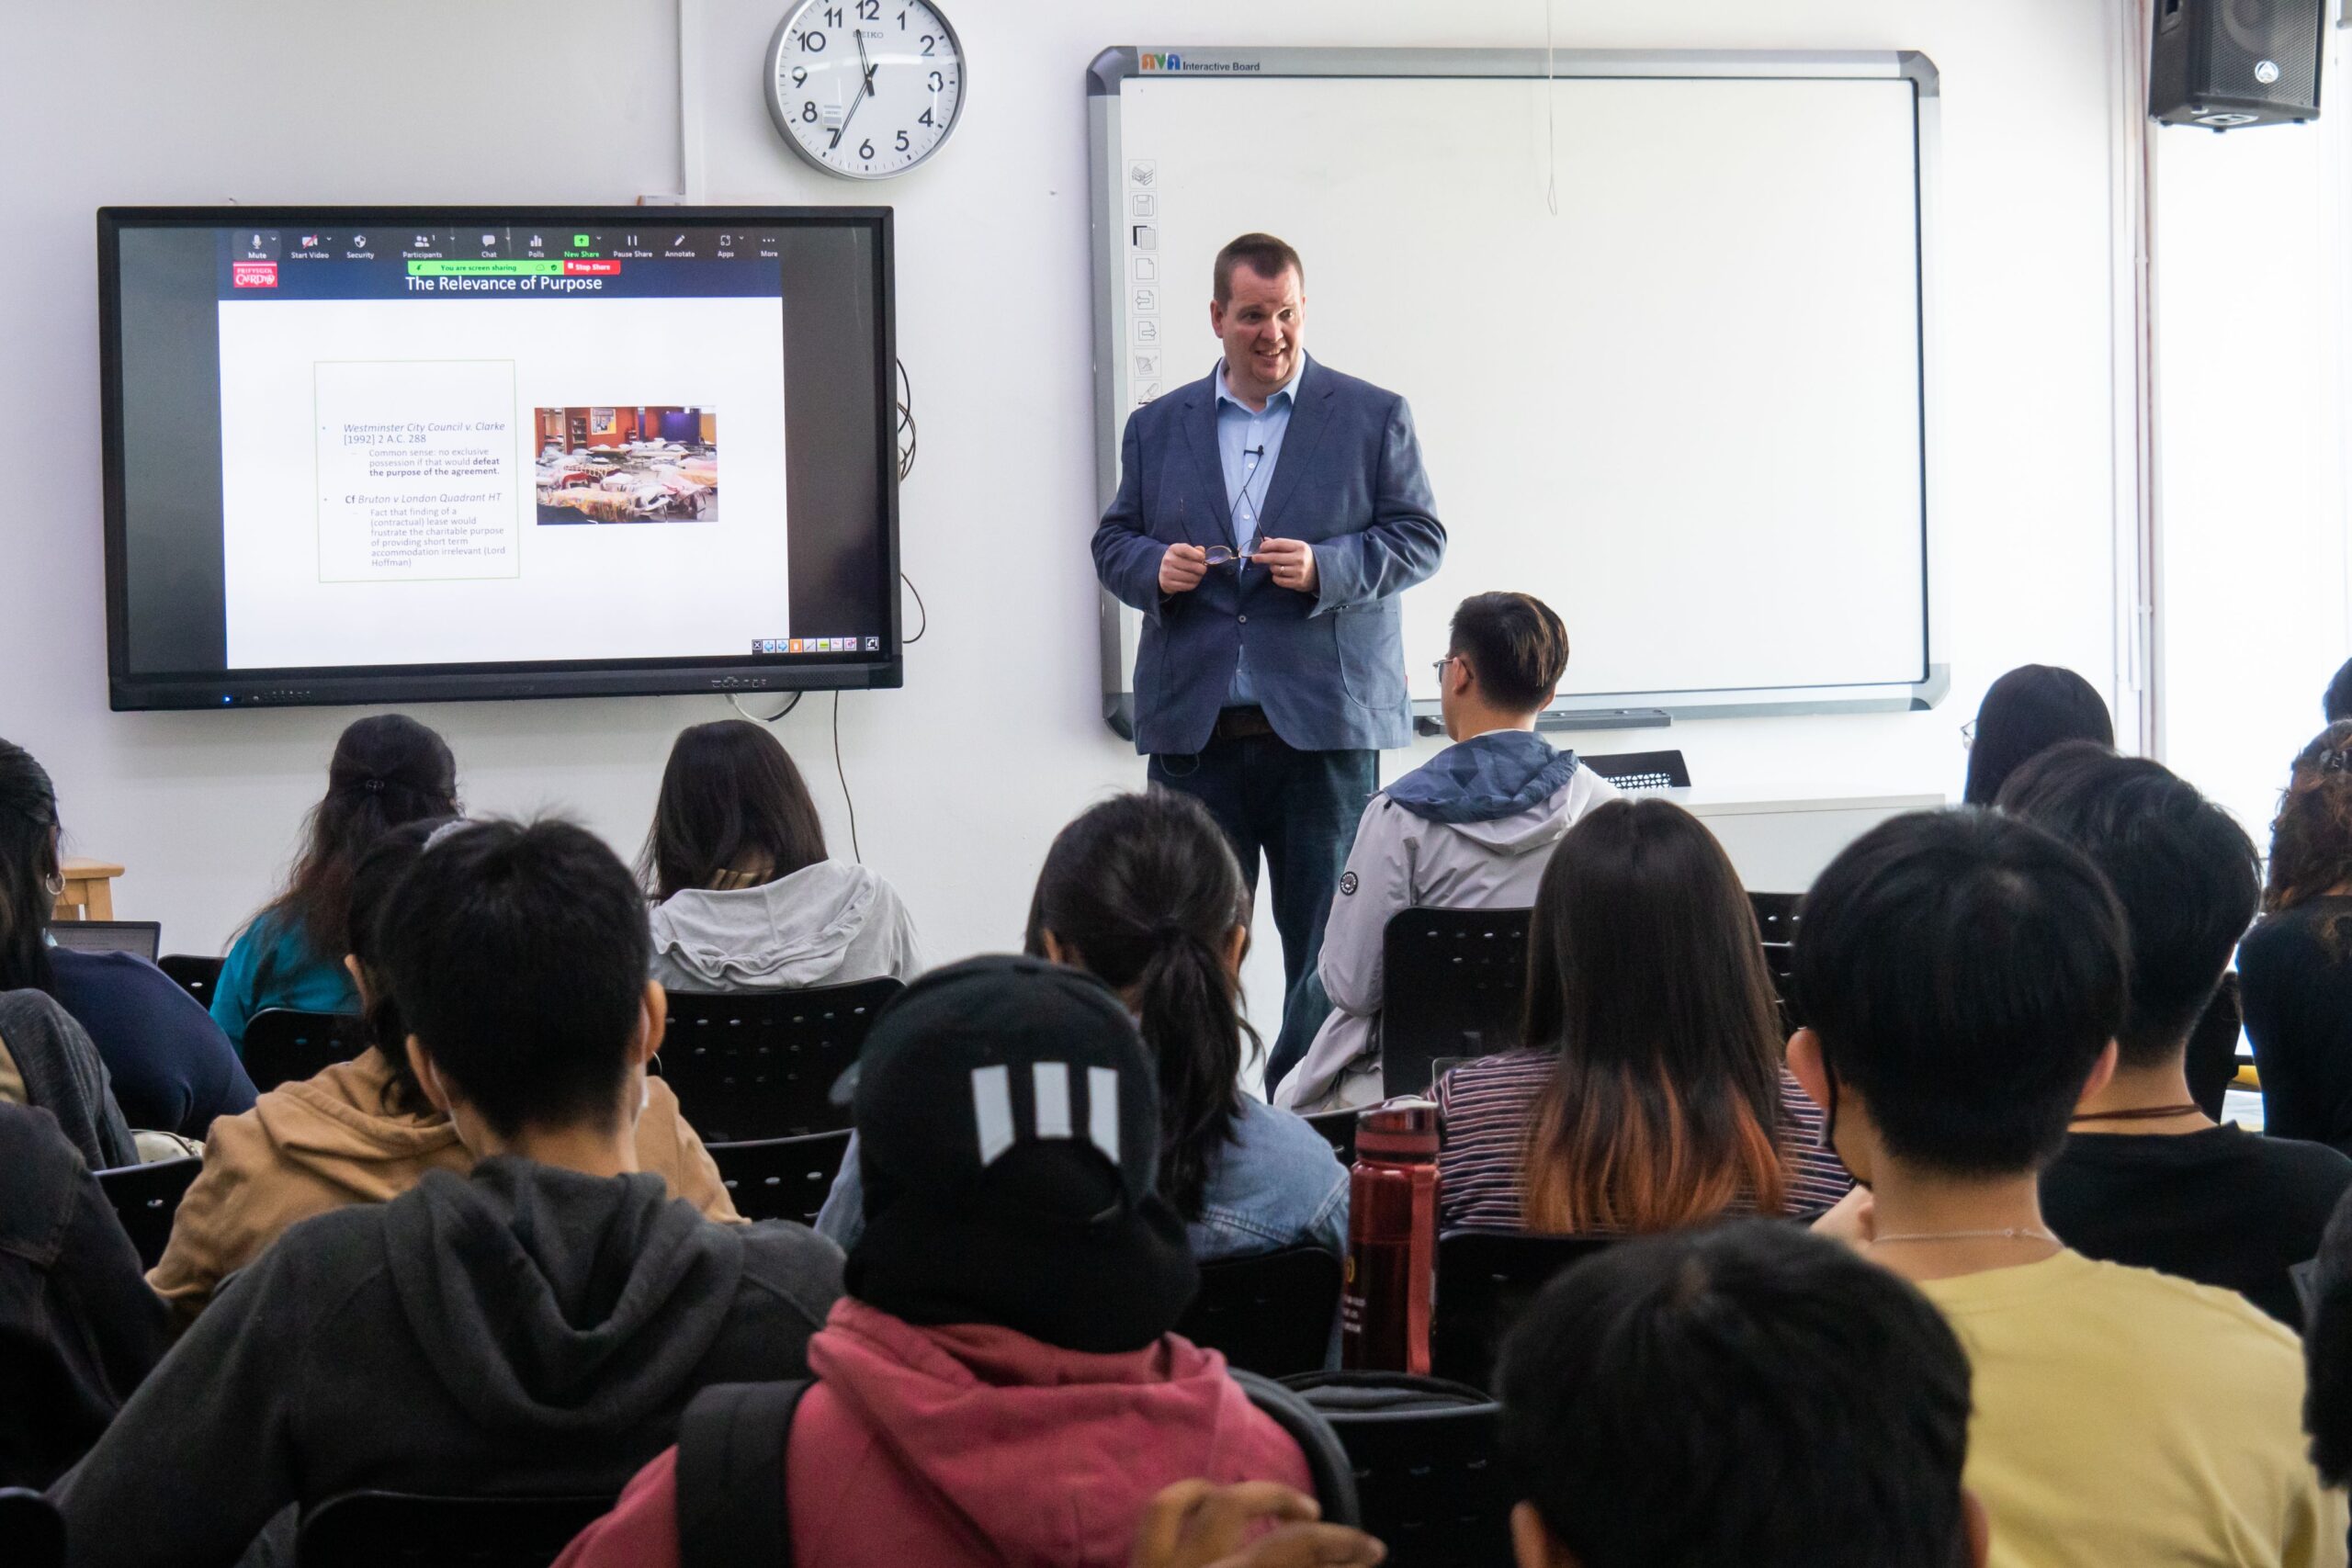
(865, 89)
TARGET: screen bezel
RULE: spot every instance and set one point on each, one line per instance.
(346, 685)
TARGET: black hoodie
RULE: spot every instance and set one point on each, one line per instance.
(525, 1329)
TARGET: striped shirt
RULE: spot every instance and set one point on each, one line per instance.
(1484, 1106)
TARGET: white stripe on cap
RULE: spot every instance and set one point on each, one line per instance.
(992, 1109)
(1103, 1110)
(1051, 1082)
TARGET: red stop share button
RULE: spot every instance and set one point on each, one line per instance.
(253, 275)
(592, 269)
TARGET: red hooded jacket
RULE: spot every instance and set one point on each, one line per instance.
(976, 1445)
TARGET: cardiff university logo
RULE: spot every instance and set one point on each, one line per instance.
(1162, 61)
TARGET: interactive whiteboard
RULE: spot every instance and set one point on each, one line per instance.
(1661, 317)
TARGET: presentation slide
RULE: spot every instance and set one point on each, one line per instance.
(500, 461)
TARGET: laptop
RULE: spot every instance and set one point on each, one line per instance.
(141, 937)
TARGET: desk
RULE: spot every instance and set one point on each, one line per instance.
(1780, 846)
(89, 890)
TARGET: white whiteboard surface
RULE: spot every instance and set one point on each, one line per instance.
(1687, 412)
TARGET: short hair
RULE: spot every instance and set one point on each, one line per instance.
(2185, 873)
(1516, 644)
(2024, 713)
(2336, 704)
(1261, 253)
(1748, 1393)
(730, 791)
(518, 956)
(1963, 970)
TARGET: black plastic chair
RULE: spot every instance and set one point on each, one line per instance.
(1271, 1313)
(1426, 1472)
(396, 1530)
(285, 1045)
(1452, 987)
(197, 977)
(146, 1197)
(2213, 1049)
(1339, 1130)
(781, 1178)
(1777, 915)
(1485, 1280)
(32, 1532)
(761, 1064)
(1328, 1463)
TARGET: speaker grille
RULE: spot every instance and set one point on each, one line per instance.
(2254, 34)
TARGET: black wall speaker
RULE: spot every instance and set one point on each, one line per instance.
(2224, 63)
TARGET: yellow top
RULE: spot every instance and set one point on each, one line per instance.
(2126, 1417)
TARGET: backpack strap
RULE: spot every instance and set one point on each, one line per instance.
(732, 1512)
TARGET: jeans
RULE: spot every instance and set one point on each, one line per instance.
(1300, 808)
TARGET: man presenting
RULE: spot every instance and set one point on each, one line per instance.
(1268, 517)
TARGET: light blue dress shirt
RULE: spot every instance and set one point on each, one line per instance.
(1249, 443)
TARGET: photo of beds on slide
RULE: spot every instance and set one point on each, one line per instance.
(627, 464)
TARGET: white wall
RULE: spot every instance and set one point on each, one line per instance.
(2251, 264)
(961, 778)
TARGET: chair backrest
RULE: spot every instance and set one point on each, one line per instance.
(1426, 1474)
(1271, 1313)
(1485, 1280)
(1453, 983)
(1777, 915)
(286, 1046)
(146, 1197)
(1339, 1130)
(396, 1530)
(197, 977)
(761, 1064)
(1328, 1464)
(781, 1178)
(32, 1532)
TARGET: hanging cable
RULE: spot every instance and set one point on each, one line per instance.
(842, 773)
(736, 704)
(907, 441)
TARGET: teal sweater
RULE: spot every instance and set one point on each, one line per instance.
(271, 965)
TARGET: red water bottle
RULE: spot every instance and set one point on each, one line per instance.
(1392, 1239)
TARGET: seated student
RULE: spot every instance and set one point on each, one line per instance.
(1472, 827)
(363, 1131)
(745, 898)
(2295, 968)
(999, 1385)
(173, 1069)
(1651, 1094)
(2337, 701)
(78, 1328)
(1143, 892)
(2026, 712)
(2327, 1350)
(534, 1326)
(2145, 1176)
(1962, 975)
(1745, 1394)
(387, 769)
(47, 1062)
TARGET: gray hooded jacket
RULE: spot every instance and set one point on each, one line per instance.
(826, 924)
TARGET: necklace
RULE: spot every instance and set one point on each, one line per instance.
(2014, 1233)
(2144, 1113)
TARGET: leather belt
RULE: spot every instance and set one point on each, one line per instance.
(1242, 724)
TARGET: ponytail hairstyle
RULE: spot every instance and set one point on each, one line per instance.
(1645, 973)
(2311, 839)
(734, 812)
(1143, 893)
(28, 870)
(387, 769)
(373, 880)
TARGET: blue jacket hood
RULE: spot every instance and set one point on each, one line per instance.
(1487, 777)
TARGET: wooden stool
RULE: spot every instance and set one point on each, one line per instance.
(89, 890)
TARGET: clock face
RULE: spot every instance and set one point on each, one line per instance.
(865, 88)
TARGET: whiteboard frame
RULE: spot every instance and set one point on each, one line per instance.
(1112, 359)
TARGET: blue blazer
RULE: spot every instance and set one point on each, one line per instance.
(1328, 668)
